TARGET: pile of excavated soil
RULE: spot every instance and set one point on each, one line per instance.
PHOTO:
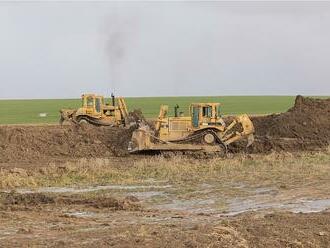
(13, 198)
(33, 199)
(306, 126)
(128, 203)
(136, 116)
(32, 143)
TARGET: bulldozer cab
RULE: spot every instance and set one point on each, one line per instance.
(203, 114)
(93, 104)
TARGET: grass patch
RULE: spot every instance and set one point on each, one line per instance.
(27, 111)
(280, 169)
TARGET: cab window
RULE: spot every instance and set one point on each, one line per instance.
(98, 105)
(218, 112)
(207, 111)
(90, 101)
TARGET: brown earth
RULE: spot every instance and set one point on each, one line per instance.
(303, 127)
(308, 119)
(62, 224)
(15, 200)
(28, 144)
(12, 198)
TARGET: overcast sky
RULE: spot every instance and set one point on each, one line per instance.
(60, 50)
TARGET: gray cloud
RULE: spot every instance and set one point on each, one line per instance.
(60, 50)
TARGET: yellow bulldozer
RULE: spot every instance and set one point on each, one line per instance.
(203, 130)
(96, 111)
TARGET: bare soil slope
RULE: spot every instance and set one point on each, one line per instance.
(303, 127)
(32, 143)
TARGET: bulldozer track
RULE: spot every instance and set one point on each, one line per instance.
(92, 121)
(197, 137)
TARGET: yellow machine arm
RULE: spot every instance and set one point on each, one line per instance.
(122, 106)
(162, 114)
(241, 127)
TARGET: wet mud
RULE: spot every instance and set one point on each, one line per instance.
(75, 220)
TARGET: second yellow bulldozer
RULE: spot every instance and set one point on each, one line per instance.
(95, 111)
(204, 129)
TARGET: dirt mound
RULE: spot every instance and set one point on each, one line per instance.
(303, 127)
(36, 199)
(48, 143)
(99, 202)
(136, 116)
(32, 199)
(109, 202)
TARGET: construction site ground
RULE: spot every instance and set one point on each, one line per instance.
(77, 186)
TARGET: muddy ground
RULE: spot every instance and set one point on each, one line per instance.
(103, 197)
(71, 219)
(247, 204)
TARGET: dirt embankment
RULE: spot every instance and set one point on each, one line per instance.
(303, 127)
(48, 143)
(306, 126)
(12, 200)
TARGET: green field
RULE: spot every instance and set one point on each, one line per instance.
(27, 111)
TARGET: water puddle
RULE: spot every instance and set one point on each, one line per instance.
(196, 205)
(309, 206)
(147, 194)
(204, 198)
(261, 198)
(265, 191)
(238, 206)
(81, 214)
(91, 188)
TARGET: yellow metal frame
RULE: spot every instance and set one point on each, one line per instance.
(108, 114)
(170, 130)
